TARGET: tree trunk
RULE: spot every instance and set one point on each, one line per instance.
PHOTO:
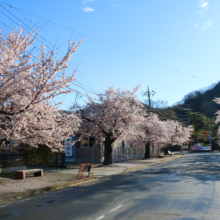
(108, 151)
(147, 151)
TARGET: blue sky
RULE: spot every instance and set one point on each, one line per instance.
(171, 46)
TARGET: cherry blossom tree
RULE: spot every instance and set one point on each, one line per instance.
(154, 132)
(177, 133)
(112, 115)
(217, 100)
(150, 132)
(28, 86)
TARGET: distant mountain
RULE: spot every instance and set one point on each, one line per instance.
(202, 100)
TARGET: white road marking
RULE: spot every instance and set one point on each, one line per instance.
(115, 208)
(25, 200)
(101, 217)
(174, 173)
(3, 206)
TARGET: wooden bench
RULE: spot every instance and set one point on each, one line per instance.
(20, 174)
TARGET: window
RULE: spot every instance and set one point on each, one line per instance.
(85, 141)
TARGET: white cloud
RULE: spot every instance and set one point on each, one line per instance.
(207, 25)
(203, 4)
(196, 24)
(86, 1)
(88, 9)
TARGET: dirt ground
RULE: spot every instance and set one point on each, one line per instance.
(8, 183)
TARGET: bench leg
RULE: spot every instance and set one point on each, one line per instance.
(20, 175)
(40, 173)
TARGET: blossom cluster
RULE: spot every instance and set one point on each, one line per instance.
(119, 115)
(28, 86)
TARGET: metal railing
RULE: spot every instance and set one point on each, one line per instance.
(122, 154)
(96, 155)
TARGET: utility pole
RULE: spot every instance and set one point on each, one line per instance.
(78, 96)
(148, 93)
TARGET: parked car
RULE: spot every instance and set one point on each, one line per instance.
(161, 154)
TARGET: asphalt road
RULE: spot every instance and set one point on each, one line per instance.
(187, 188)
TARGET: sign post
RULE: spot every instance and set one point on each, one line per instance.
(184, 148)
(70, 151)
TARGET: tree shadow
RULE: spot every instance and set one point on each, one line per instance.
(192, 170)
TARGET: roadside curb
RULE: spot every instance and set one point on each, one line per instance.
(137, 167)
(73, 183)
(172, 158)
(48, 189)
(155, 163)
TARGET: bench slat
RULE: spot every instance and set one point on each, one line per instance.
(20, 174)
(32, 170)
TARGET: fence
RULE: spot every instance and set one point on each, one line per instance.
(12, 161)
(8, 155)
(96, 155)
(88, 155)
(122, 154)
(52, 159)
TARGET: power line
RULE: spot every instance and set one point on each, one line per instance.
(53, 45)
(61, 76)
(167, 115)
(94, 76)
(171, 116)
(119, 48)
(87, 87)
(38, 59)
(39, 36)
(181, 108)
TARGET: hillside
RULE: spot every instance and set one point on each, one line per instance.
(202, 101)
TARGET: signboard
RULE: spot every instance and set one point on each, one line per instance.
(70, 159)
(70, 150)
(195, 148)
(184, 148)
(204, 148)
(200, 148)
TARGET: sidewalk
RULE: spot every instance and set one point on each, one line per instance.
(57, 178)
(101, 171)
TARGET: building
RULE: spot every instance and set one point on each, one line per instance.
(88, 151)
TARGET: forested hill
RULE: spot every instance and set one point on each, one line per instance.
(202, 101)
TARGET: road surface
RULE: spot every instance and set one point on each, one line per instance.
(186, 188)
